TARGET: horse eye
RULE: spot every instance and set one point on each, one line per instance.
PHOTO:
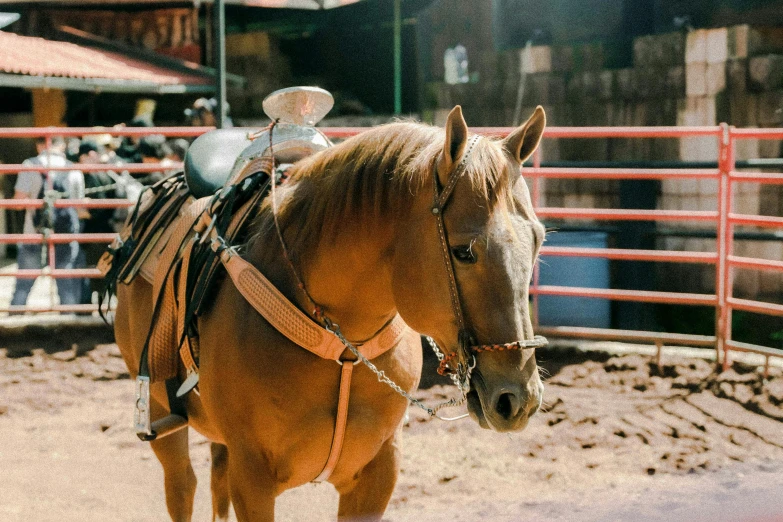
(464, 254)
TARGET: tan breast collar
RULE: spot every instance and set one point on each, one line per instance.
(297, 326)
(290, 321)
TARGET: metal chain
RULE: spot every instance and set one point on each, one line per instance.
(460, 377)
(383, 378)
(55, 194)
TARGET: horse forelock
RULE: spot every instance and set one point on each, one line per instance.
(378, 173)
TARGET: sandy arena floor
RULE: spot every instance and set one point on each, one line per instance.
(621, 440)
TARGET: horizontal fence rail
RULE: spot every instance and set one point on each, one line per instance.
(723, 221)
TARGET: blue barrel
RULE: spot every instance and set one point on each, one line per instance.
(591, 272)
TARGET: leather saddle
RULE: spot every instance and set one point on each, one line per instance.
(210, 159)
(217, 158)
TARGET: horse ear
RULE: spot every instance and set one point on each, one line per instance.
(454, 146)
(523, 142)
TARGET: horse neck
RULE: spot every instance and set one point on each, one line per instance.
(348, 275)
(348, 272)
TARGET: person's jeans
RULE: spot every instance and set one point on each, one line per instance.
(66, 255)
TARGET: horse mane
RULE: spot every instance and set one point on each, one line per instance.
(371, 175)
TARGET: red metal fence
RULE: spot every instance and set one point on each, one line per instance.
(88, 203)
(724, 219)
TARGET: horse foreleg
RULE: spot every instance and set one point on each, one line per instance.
(252, 486)
(178, 475)
(219, 482)
(366, 496)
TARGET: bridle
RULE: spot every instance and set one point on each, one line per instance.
(467, 347)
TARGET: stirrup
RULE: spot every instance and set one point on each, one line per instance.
(141, 413)
(145, 429)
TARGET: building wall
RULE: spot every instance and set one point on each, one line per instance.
(447, 23)
(172, 31)
(516, 21)
(257, 57)
(568, 21)
(49, 107)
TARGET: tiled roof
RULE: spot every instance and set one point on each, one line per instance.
(290, 4)
(31, 56)
(294, 4)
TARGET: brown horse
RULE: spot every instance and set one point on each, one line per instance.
(358, 223)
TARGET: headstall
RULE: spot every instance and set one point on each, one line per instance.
(466, 348)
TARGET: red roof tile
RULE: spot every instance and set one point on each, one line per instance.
(38, 57)
(290, 4)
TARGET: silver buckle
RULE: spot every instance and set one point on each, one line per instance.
(141, 413)
(189, 383)
(207, 231)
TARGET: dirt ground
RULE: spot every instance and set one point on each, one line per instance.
(621, 439)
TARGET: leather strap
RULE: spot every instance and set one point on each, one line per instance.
(163, 363)
(340, 422)
(238, 222)
(182, 295)
(290, 321)
(186, 353)
(440, 199)
(146, 234)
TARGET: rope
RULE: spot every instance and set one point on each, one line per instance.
(536, 342)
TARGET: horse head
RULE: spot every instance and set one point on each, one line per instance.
(465, 282)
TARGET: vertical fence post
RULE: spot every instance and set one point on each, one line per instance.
(397, 57)
(48, 181)
(725, 232)
(536, 205)
(219, 61)
(728, 287)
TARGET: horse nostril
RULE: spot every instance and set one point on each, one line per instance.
(507, 405)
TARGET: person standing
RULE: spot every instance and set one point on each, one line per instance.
(100, 220)
(35, 184)
(202, 114)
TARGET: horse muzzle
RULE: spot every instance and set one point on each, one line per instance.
(506, 408)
